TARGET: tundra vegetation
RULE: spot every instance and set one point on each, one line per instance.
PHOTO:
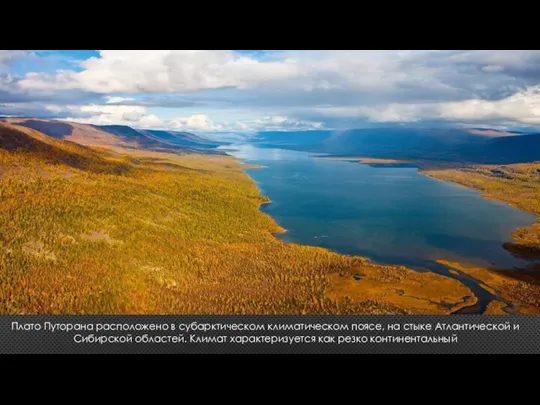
(518, 291)
(91, 230)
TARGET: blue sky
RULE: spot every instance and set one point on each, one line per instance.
(250, 90)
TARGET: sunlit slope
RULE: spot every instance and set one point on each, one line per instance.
(88, 231)
(70, 131)
(118, 136)
(30, 148)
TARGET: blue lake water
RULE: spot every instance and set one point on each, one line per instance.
(393, 215)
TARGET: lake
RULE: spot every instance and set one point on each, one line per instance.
(393, 215)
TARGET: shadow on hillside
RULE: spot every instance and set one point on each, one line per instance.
(522, 251)
(57, 130)
(64, 152)
(529, 275)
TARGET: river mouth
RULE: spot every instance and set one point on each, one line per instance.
(390, 214)
(483, 296)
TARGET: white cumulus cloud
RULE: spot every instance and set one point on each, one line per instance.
(6, 57)
(522, 107)
(162, 71)
(197, 122)
(304, 86)
(139, 117)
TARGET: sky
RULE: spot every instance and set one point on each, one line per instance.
(274, 90)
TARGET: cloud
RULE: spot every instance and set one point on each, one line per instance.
(7, 57)
(493, 68)
(11, 92)
(310, 88)
(197, 122)
(119, 100)
(382, 113)
(38, 110)
(109, 115)
(281, 123)
(161, 71)
(522, 107)
(305, 71)
(139, 117)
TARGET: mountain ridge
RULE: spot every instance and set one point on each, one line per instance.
(460, 145)
(115, 136)
(46, 149)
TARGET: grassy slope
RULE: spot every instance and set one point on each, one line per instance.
(82, 134)
(149, 232)
(109, 136)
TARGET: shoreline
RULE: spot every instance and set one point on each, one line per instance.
(362, 160)
(520, 249)
(515, 289)
(466, 280)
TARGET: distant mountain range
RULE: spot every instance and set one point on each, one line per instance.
(473, 145)
(185, 139)
(477, 145)
(119, 135)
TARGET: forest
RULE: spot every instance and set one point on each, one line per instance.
(88, 230)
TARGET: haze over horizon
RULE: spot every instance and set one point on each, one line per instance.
(251, 91)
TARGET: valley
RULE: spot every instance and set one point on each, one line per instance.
(270, 182)
(87, 229)
(117, 220)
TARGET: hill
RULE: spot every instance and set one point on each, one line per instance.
(120, 136)
(35, 148)
(477, 145)
(86, 230)
(300, 140)
(505, 150)
(185, 139)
